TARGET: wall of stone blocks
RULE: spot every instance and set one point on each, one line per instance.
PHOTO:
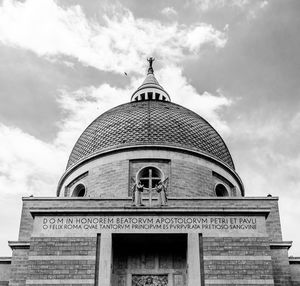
(109, 180)
(272, 222)
(109, 176)
(62, 259)
(19, 268)
(82, 179)
(279, 257)
(295, 273)
(5, 267)
(281, 267)
(113, 179)
(229, 260)
(163, 165)
(191, 180)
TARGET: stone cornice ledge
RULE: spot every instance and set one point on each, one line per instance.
(169, 198)
(19, 244)
(5, 260)
(294, 260)
(280, 244)
(154, 210)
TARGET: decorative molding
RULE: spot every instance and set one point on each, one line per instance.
(171, 198)
(77, 179)
(294, 260)
(5, 260)
(165, 209)
(280, 244)
(19, 244)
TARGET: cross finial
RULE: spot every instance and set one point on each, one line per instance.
(150, 60)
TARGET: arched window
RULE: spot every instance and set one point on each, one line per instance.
(79, 191)
(221, 191)
(149, 176)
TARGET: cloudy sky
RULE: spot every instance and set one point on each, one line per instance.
(235, 62)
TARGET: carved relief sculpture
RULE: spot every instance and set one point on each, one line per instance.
(137, 190)
(149, 280)
(161, 189)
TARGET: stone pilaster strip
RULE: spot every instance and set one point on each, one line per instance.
(97, 259)
(202, 277)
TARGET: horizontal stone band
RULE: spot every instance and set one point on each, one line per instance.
(62, 257)
(61, 281)
(245, 257)
(240, 282)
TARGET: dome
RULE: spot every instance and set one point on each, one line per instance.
(149, 123)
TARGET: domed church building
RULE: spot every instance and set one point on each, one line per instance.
(150, 196)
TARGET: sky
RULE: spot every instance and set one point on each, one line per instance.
(234, 62)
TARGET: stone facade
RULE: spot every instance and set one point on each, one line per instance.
(70, 256)
(110, 175)
(295, 270)
(150, 197)
(5, 269)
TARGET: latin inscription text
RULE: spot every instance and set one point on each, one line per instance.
(128, 223)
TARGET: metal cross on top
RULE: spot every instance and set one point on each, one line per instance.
(149, 181)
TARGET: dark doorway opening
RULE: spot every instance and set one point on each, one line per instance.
(139, 259)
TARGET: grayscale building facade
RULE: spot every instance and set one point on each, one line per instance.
(150, 196)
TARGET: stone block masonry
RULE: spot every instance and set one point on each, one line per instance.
(62, 260)
(5, 265)
(228, 260)
(19, 267)
(237, 261)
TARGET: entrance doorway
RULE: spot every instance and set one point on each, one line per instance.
(149, 259)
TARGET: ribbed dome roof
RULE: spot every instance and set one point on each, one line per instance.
(149, 123)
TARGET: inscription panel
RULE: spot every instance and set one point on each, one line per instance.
(61, 226)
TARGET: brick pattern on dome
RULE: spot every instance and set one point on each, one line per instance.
(150, 122)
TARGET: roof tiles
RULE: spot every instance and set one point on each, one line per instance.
(150, 122)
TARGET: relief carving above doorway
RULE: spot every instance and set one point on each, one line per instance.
(149, 280)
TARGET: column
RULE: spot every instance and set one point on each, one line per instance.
(193, 260)
(105, 260)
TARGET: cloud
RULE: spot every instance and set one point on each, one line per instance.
(206, 5)
(169, 11)
(182, 92)
(27, 165)
(203, 34)
(271, 162)
(85, 104)
(31, 166)
(82, 106)
(295, 122)
(266, 171)
(118, 44)
(263, 4)
(249, 8)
